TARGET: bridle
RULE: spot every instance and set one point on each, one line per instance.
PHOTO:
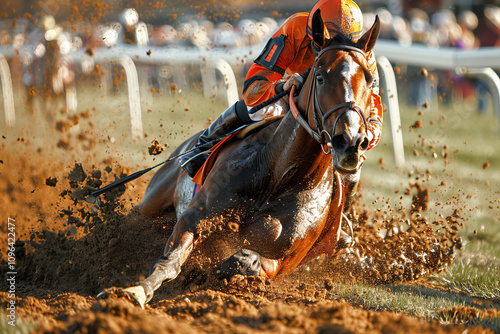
(320, 133)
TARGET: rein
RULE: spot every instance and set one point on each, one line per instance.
(345, 106)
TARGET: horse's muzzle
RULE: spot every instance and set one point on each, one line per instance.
(346, 152)
(343, 170)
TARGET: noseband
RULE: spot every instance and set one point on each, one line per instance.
(318, 113)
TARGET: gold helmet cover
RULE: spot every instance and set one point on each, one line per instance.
(342, 16)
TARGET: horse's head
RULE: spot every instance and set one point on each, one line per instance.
(341, 94)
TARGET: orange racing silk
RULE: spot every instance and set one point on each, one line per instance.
(295, 56)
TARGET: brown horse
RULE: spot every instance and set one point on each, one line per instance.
(284, 185)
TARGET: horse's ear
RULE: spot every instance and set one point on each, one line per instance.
(369, 38)
(318, 29)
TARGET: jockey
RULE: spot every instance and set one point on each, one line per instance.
(289, 52)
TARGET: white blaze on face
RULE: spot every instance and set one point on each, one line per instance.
(347, 72)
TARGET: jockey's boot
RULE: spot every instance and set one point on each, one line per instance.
(231, 119)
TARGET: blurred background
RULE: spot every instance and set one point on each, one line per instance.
(138, 64)
(46, 43)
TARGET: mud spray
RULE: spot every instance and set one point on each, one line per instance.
(72, 250)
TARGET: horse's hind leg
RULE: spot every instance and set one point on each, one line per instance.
(160, 191)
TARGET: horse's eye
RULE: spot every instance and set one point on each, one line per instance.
(319, 79)
(369, 78)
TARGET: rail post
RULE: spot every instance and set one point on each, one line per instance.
(492, 80)
(8, 94)
(388, 83)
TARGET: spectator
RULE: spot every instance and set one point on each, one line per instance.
(488, 30)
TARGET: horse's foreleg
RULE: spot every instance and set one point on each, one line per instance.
(328, 240)
(169, 264)
(350, 186)
(179, 246)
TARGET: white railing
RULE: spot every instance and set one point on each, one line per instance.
(126, 56)
(390, 98)
(477, 63)
(217, 60)
(134, 96)
(442, 58)
(8, 93)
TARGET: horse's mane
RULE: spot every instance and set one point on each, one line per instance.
(342, 39)
(339, 39)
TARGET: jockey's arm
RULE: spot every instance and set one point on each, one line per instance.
(375, 118)
(284, 52)
(261, 85)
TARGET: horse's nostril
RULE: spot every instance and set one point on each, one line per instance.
(364, 144)
(339, 142)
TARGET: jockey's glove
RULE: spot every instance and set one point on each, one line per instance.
(296, 80)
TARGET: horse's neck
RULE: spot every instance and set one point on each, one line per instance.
(294, 154)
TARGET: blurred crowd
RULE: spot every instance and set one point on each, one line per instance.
(465, 30)
(47, 44)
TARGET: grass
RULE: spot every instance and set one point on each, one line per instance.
(415, 300)
(20, 327)
(445, 306)
(471, 277)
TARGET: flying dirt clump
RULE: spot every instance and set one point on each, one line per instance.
(80, 249)
(420, 201)
(51, 182)
(155, 148)
(77, 174)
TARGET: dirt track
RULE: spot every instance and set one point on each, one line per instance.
(67, 251)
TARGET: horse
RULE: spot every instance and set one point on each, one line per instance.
(273, 200)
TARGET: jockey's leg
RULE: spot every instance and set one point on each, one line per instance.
(231, 119)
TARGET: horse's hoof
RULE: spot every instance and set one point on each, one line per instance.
(133, 294)
(244, 262)
(137, 295)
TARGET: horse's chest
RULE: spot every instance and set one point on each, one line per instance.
(311, 209)
(291, 220)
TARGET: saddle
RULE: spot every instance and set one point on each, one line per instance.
(202, 173)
